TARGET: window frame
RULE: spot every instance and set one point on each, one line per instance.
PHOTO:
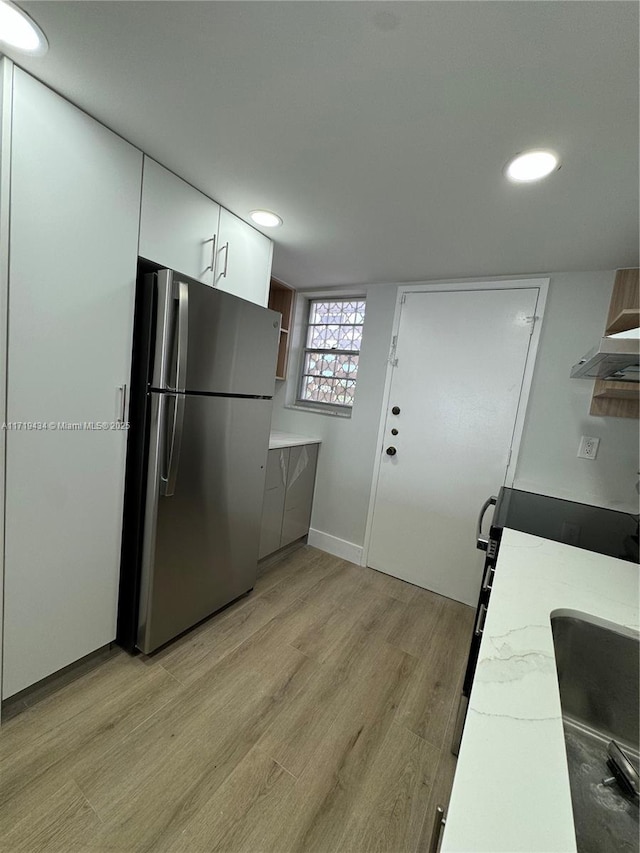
(323, 407)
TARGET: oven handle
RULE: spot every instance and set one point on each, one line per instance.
(482, 542)
(480, 620)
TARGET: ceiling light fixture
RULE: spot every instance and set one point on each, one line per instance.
(532, 166)
(266, 218)
(19, 31)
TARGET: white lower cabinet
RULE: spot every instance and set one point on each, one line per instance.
(288, 496)
(75, 201)
(243, 260)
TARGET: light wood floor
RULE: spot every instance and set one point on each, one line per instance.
(314, 715)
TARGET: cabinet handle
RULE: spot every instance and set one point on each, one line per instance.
(122, 408)
(213, 253)
(226, 259)
(436, 831)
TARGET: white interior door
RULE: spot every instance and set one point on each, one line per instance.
(461, 358)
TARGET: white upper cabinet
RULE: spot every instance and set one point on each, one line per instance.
(74, 212)
(243, 259)
(178, 224)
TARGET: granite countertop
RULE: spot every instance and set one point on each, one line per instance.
(511, 789)
(287, 439)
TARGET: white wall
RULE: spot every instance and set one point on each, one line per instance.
(348, 448)
(557, 416)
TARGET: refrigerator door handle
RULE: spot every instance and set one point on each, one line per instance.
(168, 483)
(182, 297)
(162, 280)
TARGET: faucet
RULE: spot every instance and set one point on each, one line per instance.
(623, 770)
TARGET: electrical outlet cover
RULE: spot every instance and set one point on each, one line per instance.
(588, 448)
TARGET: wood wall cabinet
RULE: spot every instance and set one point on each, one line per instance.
(610, 398)
(282, 298)
(74, 214)
(288, 497)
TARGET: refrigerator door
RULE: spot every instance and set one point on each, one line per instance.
(211, 342)
(203, 507)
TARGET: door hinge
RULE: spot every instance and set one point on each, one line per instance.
(403, 299)
(393, 361)
(532, 322)
(509, 457)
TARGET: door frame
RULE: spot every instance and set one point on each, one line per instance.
(542, 284)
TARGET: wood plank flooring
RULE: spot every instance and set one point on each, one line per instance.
(314, 715)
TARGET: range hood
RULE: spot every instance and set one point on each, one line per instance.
(616, 358)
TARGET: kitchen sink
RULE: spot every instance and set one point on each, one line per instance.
(598, 665)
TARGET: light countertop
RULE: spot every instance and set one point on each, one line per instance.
(287, 439)
(511, 789)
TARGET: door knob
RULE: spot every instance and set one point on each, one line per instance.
(395, 410)
(391, 451)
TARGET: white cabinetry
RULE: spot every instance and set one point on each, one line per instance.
(288, 496)
(243, 263)
(184, 230)
(178, 224)
(75, 201)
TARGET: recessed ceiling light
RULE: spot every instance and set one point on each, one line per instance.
(532, 166)
(266, 218)
(17, 30)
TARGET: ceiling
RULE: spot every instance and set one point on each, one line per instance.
(378, 131)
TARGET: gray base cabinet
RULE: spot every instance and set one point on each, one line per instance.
(288, 497)
(273, 506)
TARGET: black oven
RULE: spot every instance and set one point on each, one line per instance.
(592, 528)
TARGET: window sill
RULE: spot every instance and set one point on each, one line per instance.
(332, 413)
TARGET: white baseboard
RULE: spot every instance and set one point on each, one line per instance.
(337, 547)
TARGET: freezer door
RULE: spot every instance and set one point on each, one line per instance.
(208, 341)
(205, 488)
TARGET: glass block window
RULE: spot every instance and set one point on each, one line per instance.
(332, 350)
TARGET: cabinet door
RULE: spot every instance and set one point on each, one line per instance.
(178, 224)
(243, 262)
(75, 200)
(299, 495)
(273, 506)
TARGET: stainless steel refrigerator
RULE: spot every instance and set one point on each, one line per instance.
(203, 378)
